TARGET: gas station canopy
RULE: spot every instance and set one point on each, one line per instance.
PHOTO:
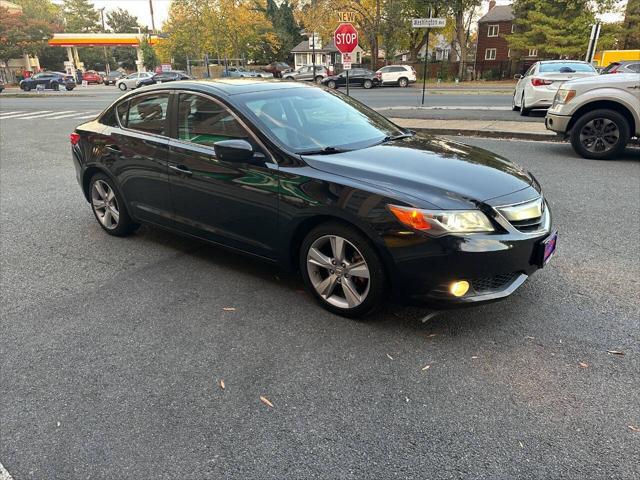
(99, 39)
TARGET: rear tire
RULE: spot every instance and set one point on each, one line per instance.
(26, 88)
(319, 79)
(367, 84)
(68, 88)
(348, 281)
(332, 84)
(514, 107)
(122, 86)
(524, 111)
(55, 87)
(600, 129)
(109, 208)
(403, 82)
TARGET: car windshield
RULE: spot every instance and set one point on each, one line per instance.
(312, 120)
(568, 67)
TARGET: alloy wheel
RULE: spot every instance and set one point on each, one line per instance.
(600, 135)
(338, 271)
(105, 204)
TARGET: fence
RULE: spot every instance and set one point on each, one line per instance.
(478, 70)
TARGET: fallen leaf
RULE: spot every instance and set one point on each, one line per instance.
(521, 445)
(266, 401)
(58, 423)
(426, 367)
(530, 338)
(390, 357)
(229, 309)
(407, 398)
(474, 357)
(615, 352)
(583, 365)
(431, 335)
(221, 384)
(633, 428)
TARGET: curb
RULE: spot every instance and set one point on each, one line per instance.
(544, 137)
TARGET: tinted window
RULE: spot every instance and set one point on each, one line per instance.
(206, 122)
(634, 67)
(568, 67)
(309, 119)
(148, 113)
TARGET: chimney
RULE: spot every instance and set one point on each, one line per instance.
(492, 4)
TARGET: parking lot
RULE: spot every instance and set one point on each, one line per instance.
(113, 350)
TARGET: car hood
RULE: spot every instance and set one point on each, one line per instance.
(446, 174)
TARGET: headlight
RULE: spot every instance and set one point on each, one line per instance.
(563, 96)
(441, 222)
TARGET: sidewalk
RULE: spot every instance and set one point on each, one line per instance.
(480, 128)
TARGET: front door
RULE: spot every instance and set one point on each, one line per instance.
(232, 203)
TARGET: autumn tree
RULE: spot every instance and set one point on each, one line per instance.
(80, 16)
(463, 13)
(631, 26)
(20, 35)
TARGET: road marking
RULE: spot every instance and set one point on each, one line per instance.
(4, 475)
(93, 115)
(18, 115)
(70, 114)
(43, 115)
(2, 114)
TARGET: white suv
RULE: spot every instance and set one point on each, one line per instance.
(599, 114)
(401, 75)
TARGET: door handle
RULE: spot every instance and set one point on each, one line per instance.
(181, 169)
(113, 148)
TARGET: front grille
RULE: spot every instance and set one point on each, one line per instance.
(492, 284)
(526, 217)
(529, 225)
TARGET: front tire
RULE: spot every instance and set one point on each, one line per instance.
(524, 111)
(367, 84)
(514, 107)
(319, 79)
(26, 88)
(55, 87)
(109, 208)
(403, 82)
(342, 270)
(332, 84)
(122, 86)
(600, 135)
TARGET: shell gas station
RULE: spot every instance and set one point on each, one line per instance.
(71, 41)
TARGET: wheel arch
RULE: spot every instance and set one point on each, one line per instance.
(89, 173)
(607, 105)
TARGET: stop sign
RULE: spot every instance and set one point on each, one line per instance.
(345, 38)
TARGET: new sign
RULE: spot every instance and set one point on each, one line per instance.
(346, 38)
(428, 22)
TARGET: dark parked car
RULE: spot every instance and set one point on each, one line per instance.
(163, 77)
(313, 180)
(112, 77)
(623, 66)
(277, 68)
(358, 77)
(49, 80)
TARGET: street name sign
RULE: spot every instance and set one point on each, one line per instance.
(428, 22)
(346, 38)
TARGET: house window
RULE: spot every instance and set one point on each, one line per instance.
(533, 52)
(513, 28)
(490, 54)
(493, 30)
(509, 53)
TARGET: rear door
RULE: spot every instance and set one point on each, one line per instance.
(232, 203)
(139, 152)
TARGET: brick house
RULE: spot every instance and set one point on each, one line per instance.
(493, 28)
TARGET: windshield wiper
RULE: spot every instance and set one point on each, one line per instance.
(324, 151)
(390, 138)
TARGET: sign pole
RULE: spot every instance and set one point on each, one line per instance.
(347, 83)
(426, 59)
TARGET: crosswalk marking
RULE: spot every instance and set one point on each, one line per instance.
(64, 115)
(10, 113)
(17, 115)
(52, 114)
(93, 115)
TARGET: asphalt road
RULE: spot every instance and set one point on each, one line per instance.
(393, 101)
(111, 349)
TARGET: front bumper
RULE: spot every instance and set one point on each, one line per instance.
(557, 123)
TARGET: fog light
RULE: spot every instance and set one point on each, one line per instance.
(459, 288)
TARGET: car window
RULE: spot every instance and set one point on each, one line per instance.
(148, 113)
(530, 71)
(566, 67)
(205, 122)
(634, 67)
(133, 75)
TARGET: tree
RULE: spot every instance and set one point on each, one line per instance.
(149, 57)
(285, 28)
(80, 16)
(463, 12)
(21, 35)
(557, 28)
(631, 26)
(121, 21)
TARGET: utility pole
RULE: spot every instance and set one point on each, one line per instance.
(426, 60)
(153, 23)
(106, 57)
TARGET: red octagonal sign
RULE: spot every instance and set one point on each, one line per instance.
(346, 38)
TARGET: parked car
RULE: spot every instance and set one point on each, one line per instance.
(1, 85)
(277, 68)
(49, 80)
(305, 73)
(623, 66)
(130, 81)
(112, 77)
(91, 76)
(240, 72)
(536, 88)
(598, 114)
(163, 77)
(401, 75)
(358, 77)
(309, 179)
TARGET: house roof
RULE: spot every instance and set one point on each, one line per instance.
(303, 46)
(499, 13)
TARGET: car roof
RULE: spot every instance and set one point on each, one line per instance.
(563, 61)
(225, 86)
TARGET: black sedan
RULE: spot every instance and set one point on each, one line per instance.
(112, 77)
(163, 77)
(310, 179)
(358, 77)
(48, 80)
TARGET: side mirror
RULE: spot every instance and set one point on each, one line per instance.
(233, 150)
(517, 76)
